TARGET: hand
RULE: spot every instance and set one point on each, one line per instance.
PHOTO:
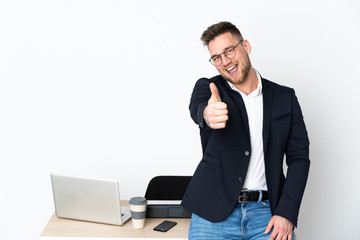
(215, 113)
(282, 228)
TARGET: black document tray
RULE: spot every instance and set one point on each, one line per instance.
(167, 211)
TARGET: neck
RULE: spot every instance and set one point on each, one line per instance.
(250, 83)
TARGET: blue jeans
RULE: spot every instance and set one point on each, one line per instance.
(248, 221)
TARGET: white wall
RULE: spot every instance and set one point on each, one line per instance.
(101, 88)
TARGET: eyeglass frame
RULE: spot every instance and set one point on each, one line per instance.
(233, 48)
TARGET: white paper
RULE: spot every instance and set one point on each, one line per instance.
(164, 202)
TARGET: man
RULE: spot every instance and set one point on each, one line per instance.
(247, 125)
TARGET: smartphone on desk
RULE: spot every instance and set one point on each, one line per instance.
(164, 226)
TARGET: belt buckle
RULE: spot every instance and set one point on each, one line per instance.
(243, 195)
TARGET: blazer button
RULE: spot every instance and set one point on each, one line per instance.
(240, 179)
(247, 153)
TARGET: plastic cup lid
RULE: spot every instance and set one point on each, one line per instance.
(138, 201)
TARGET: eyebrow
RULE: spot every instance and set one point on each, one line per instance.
(221, 52)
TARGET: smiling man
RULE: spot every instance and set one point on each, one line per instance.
(247, 125)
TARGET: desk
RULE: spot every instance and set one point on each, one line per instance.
(58, 228)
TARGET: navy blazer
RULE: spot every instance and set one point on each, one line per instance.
(218, 180)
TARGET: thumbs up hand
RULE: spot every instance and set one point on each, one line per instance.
(215, 113)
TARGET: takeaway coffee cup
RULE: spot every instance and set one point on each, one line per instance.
(138, 211)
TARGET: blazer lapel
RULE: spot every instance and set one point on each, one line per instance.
(267, 105)
(236, 97)
(241, 105)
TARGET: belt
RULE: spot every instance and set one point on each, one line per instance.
(253, 196)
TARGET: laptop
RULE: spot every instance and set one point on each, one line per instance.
(88, 199)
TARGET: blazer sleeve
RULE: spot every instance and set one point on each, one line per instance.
(298, 162)
(199, 101)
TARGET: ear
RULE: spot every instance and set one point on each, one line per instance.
(247, 46)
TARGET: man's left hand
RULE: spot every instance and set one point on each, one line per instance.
(282, 228)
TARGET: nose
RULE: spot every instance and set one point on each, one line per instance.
(225, 60)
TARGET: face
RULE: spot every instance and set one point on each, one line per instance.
(234, 70)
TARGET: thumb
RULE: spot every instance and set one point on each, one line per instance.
(214, 93)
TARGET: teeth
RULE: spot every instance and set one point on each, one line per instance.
(230, 68)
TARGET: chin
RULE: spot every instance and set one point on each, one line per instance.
(234, 81)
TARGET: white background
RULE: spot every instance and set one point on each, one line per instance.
(101, 88)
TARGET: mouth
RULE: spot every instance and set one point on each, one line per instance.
(232, 70)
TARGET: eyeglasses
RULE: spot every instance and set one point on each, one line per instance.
(229, 53)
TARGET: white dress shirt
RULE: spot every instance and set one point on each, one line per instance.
(255, 177)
